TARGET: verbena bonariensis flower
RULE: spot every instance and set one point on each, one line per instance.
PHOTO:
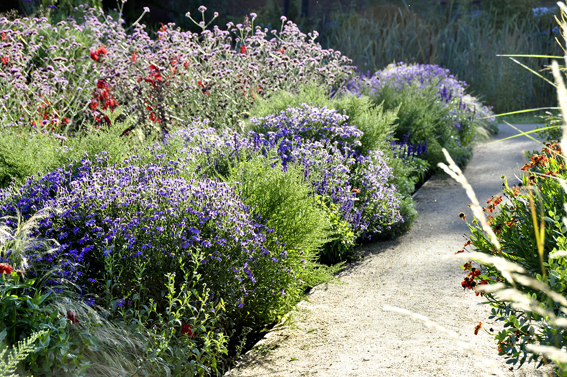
(160, 82)
(129, 224)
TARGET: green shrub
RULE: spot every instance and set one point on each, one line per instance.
(24, 153)
(423, 116)
(289, 206)
(9, 359)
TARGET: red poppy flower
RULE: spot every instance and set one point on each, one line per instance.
(187, 330)
(5, 60)
(243, 49)
(5, 268)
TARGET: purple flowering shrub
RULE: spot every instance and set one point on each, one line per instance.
(69, 75)
(308, 122)
(433, 106)
(127, 225)
(357, 187)
(318, 142)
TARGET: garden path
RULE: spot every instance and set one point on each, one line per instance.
(344, 330)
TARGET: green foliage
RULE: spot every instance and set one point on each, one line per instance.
(56, 10)
(421, 114)
(24, 153)
(407, 174)
(341, 246)
(185, 339)
(551, 130)
(531, 231)
(9, 360)
(373, 120)
(290, 208)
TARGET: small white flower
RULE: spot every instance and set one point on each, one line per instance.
(146, 10)
(202, 8)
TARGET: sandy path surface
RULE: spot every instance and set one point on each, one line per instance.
(343, 330)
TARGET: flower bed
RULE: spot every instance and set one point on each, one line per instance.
(175, 194)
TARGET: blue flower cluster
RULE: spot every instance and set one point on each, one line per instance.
(405, 150)
(325, 145)
(140, 220)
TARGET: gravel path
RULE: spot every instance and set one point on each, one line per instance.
(343, 330)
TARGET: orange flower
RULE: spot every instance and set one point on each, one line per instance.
(477, 328)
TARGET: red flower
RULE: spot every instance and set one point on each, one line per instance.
(99, 51)
(243, 49)
(72, 317)
(187, 330)
(134, 57)
(356, 191)
(5, 60)
(5, 268)
(3, 36)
